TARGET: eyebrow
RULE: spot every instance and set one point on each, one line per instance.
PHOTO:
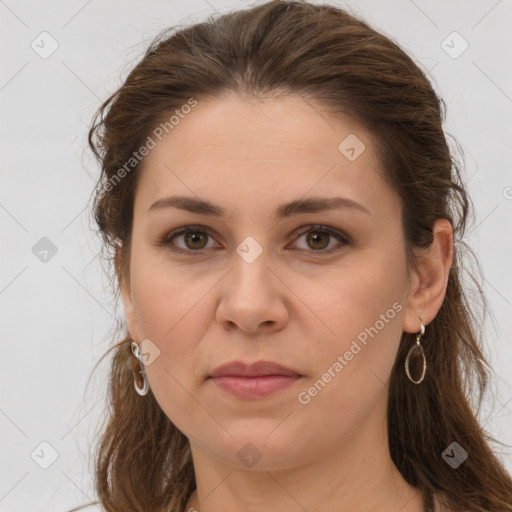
(296, 207)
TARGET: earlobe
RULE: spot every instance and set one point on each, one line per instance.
(428, 286)
(129, 313)
(126, 297)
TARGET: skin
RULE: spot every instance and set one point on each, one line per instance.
(293, 304)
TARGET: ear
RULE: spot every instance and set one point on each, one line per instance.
(428, 283)
(125, 290)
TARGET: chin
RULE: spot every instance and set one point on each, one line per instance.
(258, 449)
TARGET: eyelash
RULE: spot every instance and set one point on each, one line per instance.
(166, 240)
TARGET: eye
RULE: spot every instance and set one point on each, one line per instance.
(195, 239)
(319, 237)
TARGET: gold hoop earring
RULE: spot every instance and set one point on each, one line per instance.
(417, 346)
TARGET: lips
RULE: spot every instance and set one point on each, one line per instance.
(256, 369)
(254, 381)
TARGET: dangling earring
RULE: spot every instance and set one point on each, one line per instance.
(136, 349)
(416, 346)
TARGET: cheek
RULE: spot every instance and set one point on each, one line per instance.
(165, 297)
(352, 366)
(361, 321)
(173, 313)
(357, 295)
(174, 319)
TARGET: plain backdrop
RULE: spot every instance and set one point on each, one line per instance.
(60, 60)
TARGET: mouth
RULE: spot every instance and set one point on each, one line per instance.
(255, 387)
(256, 369)
(254, 380)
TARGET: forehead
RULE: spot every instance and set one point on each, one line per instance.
(260, 129)
(261, 149)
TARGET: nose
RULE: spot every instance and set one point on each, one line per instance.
(253, 296)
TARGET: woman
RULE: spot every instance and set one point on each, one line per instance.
(286, 223)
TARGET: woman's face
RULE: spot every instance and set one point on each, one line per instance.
(260, 282)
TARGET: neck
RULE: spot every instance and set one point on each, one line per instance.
(358, 477)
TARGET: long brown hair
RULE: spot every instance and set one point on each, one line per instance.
(326, 54)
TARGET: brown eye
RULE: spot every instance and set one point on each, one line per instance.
(318, 239)
(193, 239)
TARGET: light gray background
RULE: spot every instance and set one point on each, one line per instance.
(57, 315)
